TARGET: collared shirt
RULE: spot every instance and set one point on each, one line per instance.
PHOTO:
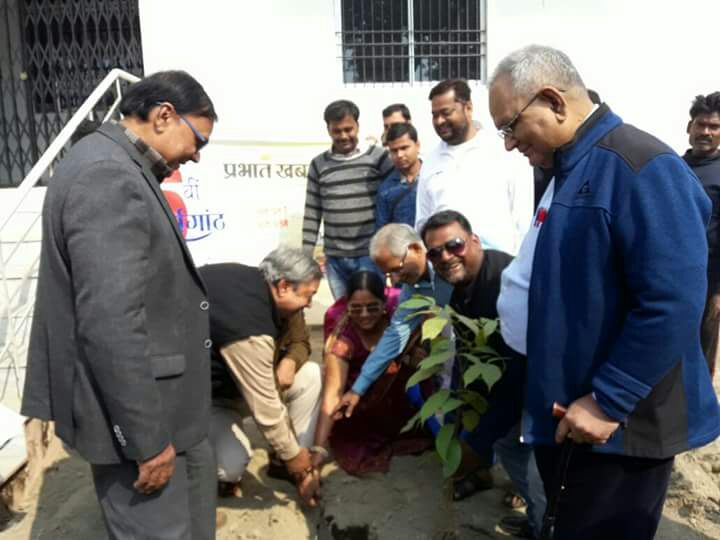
(512, 304)
(360, 149)
(395, 201)
(398, 333)
(489, 186)
(158, 164)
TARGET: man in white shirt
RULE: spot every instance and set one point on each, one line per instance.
(469, 172)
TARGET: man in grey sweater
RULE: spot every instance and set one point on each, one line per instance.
(341, 189)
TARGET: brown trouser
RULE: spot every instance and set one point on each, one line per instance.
(710, 331)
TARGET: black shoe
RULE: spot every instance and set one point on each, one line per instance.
(229, 489)
(518, 526)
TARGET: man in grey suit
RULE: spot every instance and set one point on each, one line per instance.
(119, 350)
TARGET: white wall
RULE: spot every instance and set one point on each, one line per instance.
(272, 66)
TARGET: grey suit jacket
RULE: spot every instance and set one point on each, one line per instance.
(119, 349)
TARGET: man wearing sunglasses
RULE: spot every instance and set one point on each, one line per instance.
(398, 250)
(614, 290)
(120, 352)
(475, 273)
(467, 172)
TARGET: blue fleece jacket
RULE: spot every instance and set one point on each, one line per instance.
(617, 293)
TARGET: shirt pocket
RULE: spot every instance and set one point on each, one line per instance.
(170, 365)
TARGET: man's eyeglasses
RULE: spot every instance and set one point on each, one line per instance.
(399, 267)
(372, 309)
(455, 247)
(506, 130)
(200, 140)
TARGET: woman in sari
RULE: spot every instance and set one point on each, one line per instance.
(366, 441)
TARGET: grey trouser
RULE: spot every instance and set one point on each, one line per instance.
(183, 510)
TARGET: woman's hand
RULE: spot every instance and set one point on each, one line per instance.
(346, 406)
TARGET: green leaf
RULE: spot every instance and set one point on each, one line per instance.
(421, 375)
(489, 326)
(472, 374)
(443, 439)
(432, 327)
(475, 400)
(410, 424)
(470, 420)
(440, 344)
(433, 403)
(473, 358)
(454, 457)
(435, 359)
(451, 404)
(490, 374)
(486, 349)
(412, 314)
(417, 301)
(467, 321)
(480, 339)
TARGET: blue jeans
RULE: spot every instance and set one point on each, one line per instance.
(339, 270)
(518, 459)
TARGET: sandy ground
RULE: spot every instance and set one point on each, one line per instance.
(53, 499)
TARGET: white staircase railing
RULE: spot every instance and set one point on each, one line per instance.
(20, 235)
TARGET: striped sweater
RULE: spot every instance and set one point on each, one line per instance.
(341, 193)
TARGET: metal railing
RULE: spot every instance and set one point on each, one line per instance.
(20, 239)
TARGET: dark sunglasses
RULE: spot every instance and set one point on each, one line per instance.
(357, 309)
(455, 247)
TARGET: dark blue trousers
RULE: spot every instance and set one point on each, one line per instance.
(607, 496)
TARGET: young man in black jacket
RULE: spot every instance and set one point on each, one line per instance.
(704, 159)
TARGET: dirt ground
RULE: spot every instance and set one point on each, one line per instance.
(53, 499)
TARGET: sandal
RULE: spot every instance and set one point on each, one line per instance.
(513, 500)
(518, 526)
(478, 480)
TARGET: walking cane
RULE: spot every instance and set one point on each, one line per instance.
(548, 526)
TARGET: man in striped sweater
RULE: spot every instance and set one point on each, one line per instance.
(341, 189)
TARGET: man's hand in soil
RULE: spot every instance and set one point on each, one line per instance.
(347, 405)
(585, 422)
(309, 488)
(306, 477)
(285, 372)
(156, 472)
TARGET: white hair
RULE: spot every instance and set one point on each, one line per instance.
(534, 66)
(396, 237)
(291, 264)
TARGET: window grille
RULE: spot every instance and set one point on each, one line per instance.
(396, 41)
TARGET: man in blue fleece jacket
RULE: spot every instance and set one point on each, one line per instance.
(615, 288)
